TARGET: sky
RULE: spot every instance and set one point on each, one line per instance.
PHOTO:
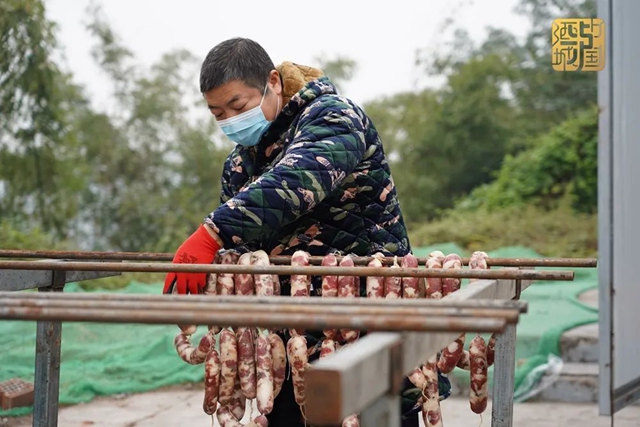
(381, 36)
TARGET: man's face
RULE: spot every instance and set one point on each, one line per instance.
(235, 97)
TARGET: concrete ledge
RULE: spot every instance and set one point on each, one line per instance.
(580, 345)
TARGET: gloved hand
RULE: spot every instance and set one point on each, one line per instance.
(199, 248)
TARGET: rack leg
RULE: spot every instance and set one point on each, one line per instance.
(47, 369)
(503, 383)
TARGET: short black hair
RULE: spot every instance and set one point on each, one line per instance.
(236, 59)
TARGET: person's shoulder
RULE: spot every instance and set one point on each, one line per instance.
(334, 101)
(332, 106)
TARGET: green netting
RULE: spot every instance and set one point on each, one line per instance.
(107, 359)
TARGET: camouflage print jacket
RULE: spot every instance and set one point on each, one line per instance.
(318, 181)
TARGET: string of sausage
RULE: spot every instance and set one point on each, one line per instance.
(348, 287)
(434, 284)
(431, 413)
(329, 289)
(300, 284)
(451, 354)
(479, 352)
(259, 359)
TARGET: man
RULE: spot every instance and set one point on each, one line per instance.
(308, 173)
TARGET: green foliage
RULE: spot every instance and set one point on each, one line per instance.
(559, 232)
(36, 157)
(444, 143)
(13, 236)
(138, 178)
(564, 161)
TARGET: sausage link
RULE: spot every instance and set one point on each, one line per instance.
(478, 374)
(190, 354)
(491, 350)
(328, 347)
(298, 359)
(330, 288)
(183, 346)
(347, 288)
(263, 282)
(417, 378)
(238, 402)
(451, 354)
(410, 285)
(228, 366)
(478, 261)
(225, 285)
(207, 342)
(351, 421)
(276, 284)
(264, 369)
(279, 357)
(226, 417)
(393, 285)
(211, 382)
(329, 283)
(375, 284)
(434, 284)
(243, 282)
(246, 362)
(451, 284)
(212, 283)
(431, 414)
(259, 421)
(465, 362)
(300, 284)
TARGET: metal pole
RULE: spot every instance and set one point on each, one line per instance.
(264, 320)
(510, 316)
(287, 269)
(153, 256)
(275, 300)
(503, 374)
(47, 364)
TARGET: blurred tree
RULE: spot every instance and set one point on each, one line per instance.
(158, 169)
(37, 181)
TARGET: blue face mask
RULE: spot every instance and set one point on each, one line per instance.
(247, 128)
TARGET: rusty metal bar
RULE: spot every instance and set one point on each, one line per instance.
(159, 256)
(511, 316)
(265, 320)
(287, 269)
(259, 300)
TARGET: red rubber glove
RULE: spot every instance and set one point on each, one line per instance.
(199, 248)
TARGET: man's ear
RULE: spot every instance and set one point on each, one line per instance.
(275, 83)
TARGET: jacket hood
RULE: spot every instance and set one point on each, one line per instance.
(294, 77)
(301, 86)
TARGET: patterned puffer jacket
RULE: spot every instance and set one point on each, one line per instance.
(318, 180)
